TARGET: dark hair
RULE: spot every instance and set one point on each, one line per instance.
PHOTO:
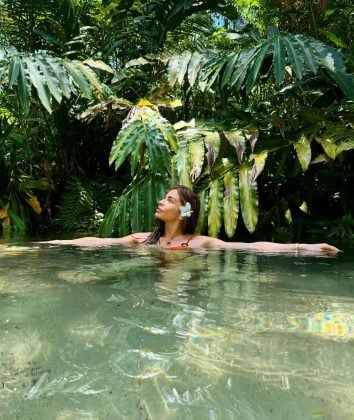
(189, 224)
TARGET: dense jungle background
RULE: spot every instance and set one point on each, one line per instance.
(106, 103)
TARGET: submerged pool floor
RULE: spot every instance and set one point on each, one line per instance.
(112, 333)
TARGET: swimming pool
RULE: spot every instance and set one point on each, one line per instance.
(114, 333)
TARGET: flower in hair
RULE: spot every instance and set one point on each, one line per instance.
(186, 211)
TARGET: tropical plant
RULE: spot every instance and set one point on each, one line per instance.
(223, 160)
(250, 118)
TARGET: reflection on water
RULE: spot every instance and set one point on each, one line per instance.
(154, 334)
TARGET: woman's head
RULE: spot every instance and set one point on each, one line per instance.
(169, 210)
(186, 195)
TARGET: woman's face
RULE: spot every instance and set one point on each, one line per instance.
(168, 208)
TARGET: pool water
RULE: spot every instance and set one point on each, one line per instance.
(114, 333)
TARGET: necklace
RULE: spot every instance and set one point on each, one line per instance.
(168, 241)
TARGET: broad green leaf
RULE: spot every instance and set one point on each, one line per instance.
(279, 60)
(78, 78)
(50, 77)
(34, 203)
(333, 61)
(141, 61)
(14, 70)
(245, 59)
(157, 148)
(230, 67)
(321, 158)
(38, 82)
(183, 65)
(212, 143)
(109, 104)
(43, 184)
(23, 89)
(58, 70)
(303, 152)
(344, 81)
(253, 71)
(196, 147)
(163, 125)
(248, 197)
(231, 203)
(150, 203)
(161, 187)
(259, 160)
(91, 77)
(251, 134)
(212, 70)
(137, 152)
(308, 53)
(109, 222)
(328, 146)
(174, 171)
(125, 142)
(335, 39)
(194, 68)
(17, 221)
(203, 197)
(123, 226)
(184, 163)
(172, 69)
(237, 139)
(294, 57)
(215, 208)
(137, 209)
(345, 146)
(99, 65)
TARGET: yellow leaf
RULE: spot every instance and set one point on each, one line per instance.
(145, 102)
(4, 215)
(34, 203)
(3, 211)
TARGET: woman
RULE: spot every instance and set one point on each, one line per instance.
(176, 220)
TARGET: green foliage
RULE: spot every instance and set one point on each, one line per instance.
(297, 55)
(269, 114)
(84, 202)
(52, 78)
(135, 208)
(148, 139)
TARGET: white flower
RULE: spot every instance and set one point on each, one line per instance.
(186, 211)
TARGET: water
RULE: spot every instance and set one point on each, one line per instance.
(112, 333)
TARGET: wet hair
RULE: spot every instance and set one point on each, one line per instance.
(189, 224)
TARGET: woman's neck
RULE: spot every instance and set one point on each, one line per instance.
(173, 231)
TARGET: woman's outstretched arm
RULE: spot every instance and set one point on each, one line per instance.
(94, 242)
(273, 246)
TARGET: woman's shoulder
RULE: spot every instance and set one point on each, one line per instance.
(140, 237)
(205, 241)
